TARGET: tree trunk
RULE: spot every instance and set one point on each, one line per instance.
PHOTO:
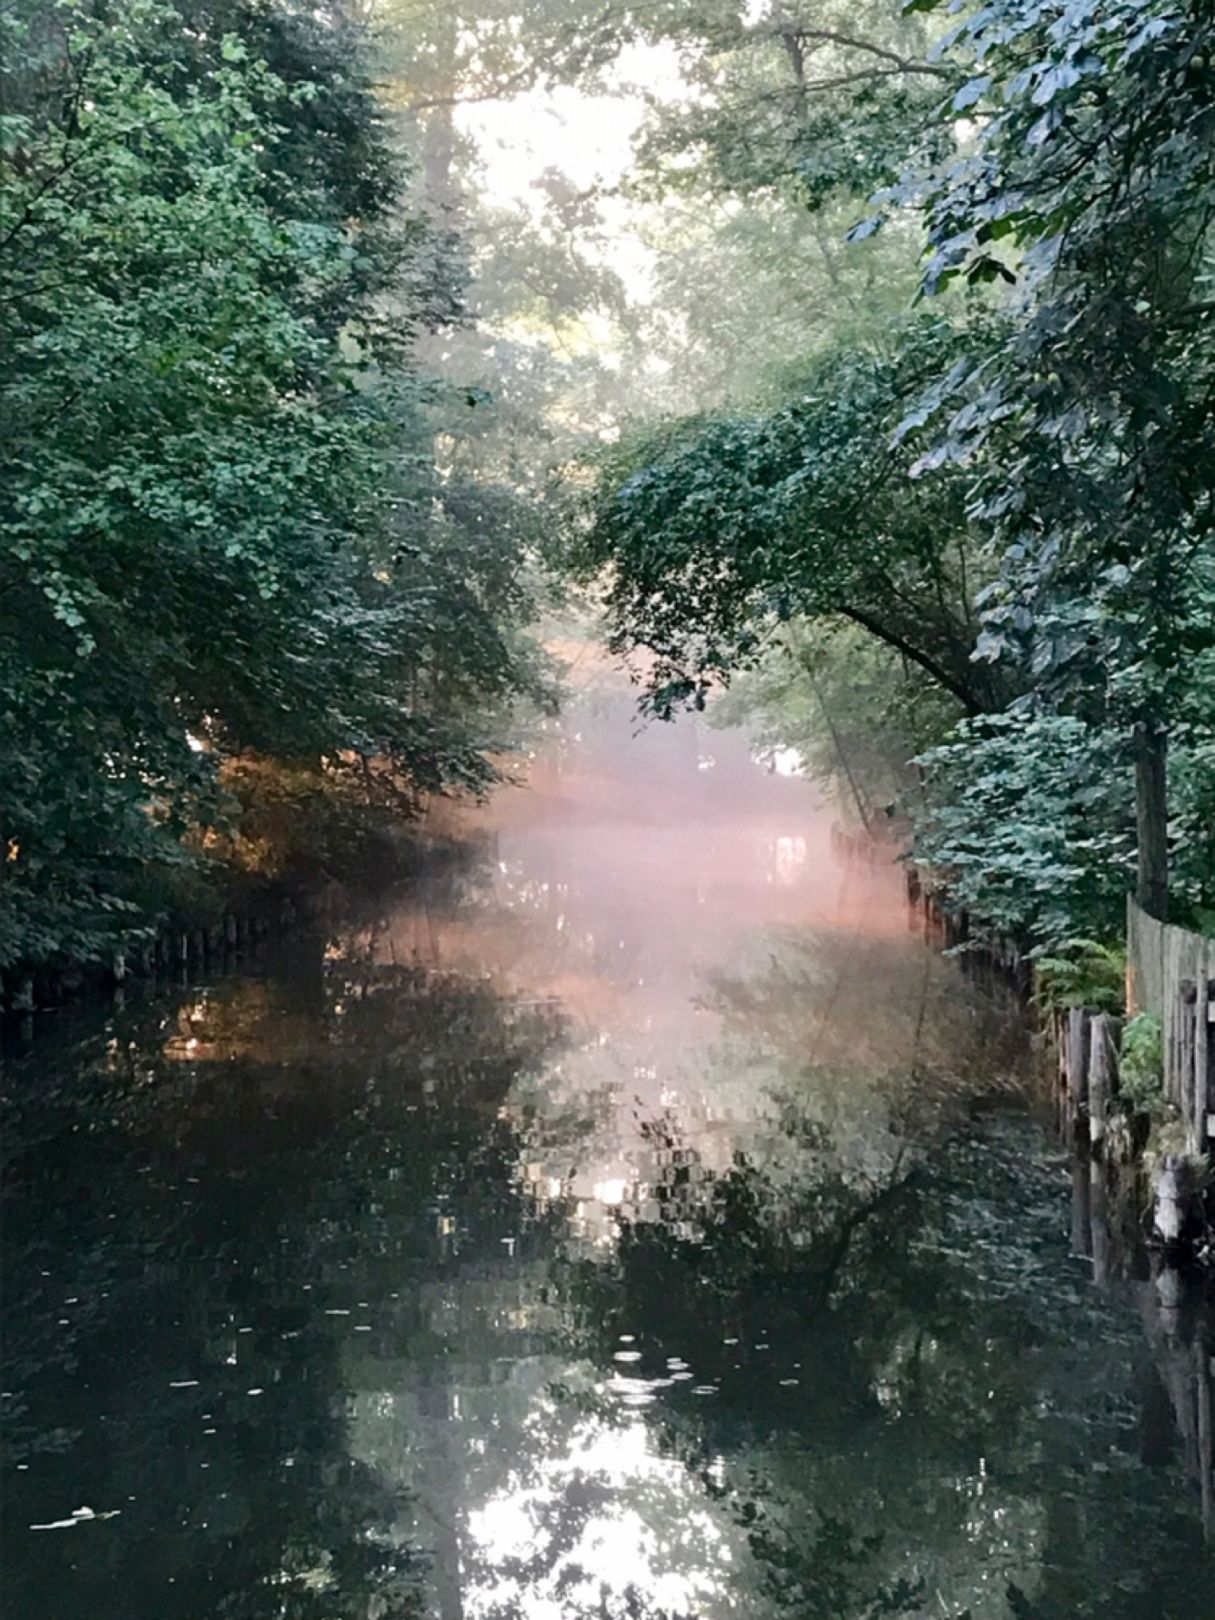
(1151, 819)
(841, 756)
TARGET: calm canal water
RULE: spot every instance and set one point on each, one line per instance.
(636, 1220)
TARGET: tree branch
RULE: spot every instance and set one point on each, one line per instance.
(833, 36)
(964, 693)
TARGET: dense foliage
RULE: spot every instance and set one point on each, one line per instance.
(731, 525)
(1016, 499)
(223, 528)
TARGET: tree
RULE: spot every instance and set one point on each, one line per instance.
(718, 530)
(1059, 160)
(1087, 426)
(219, 527)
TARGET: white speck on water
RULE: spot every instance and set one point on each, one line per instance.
(244, 1330)
(785, 1382)
(184, 1383)
(80, 1515)
(210, 1431)
(255, 1392)
(337, 1313)
(363, 1327)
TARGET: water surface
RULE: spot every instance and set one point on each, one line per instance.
(635, 1220)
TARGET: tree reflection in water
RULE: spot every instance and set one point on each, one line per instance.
(833, 1413)
(195, 1231)
(363, 1290)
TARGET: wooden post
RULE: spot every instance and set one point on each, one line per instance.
(1061, 1087)
(1170, 1298)
(1181, 1091)
(1198, 1088)
(1170, 1211)
(1100, 1068)
(1078, 1032)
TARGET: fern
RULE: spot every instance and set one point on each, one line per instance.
(1090, 974)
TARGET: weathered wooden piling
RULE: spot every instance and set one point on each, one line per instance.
(1079, 1031)
(1171, 1202)
(1103, 1045)
(1201, 1079)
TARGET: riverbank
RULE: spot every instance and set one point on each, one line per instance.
(299, 846)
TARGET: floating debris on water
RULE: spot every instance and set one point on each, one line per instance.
(80, 1515)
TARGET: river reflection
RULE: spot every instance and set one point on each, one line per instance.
(636, 1220)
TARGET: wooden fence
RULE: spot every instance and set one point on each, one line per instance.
(1176, 1315)
(1171, 972)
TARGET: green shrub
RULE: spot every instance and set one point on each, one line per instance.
(1083, 973)
(1141, 1065)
